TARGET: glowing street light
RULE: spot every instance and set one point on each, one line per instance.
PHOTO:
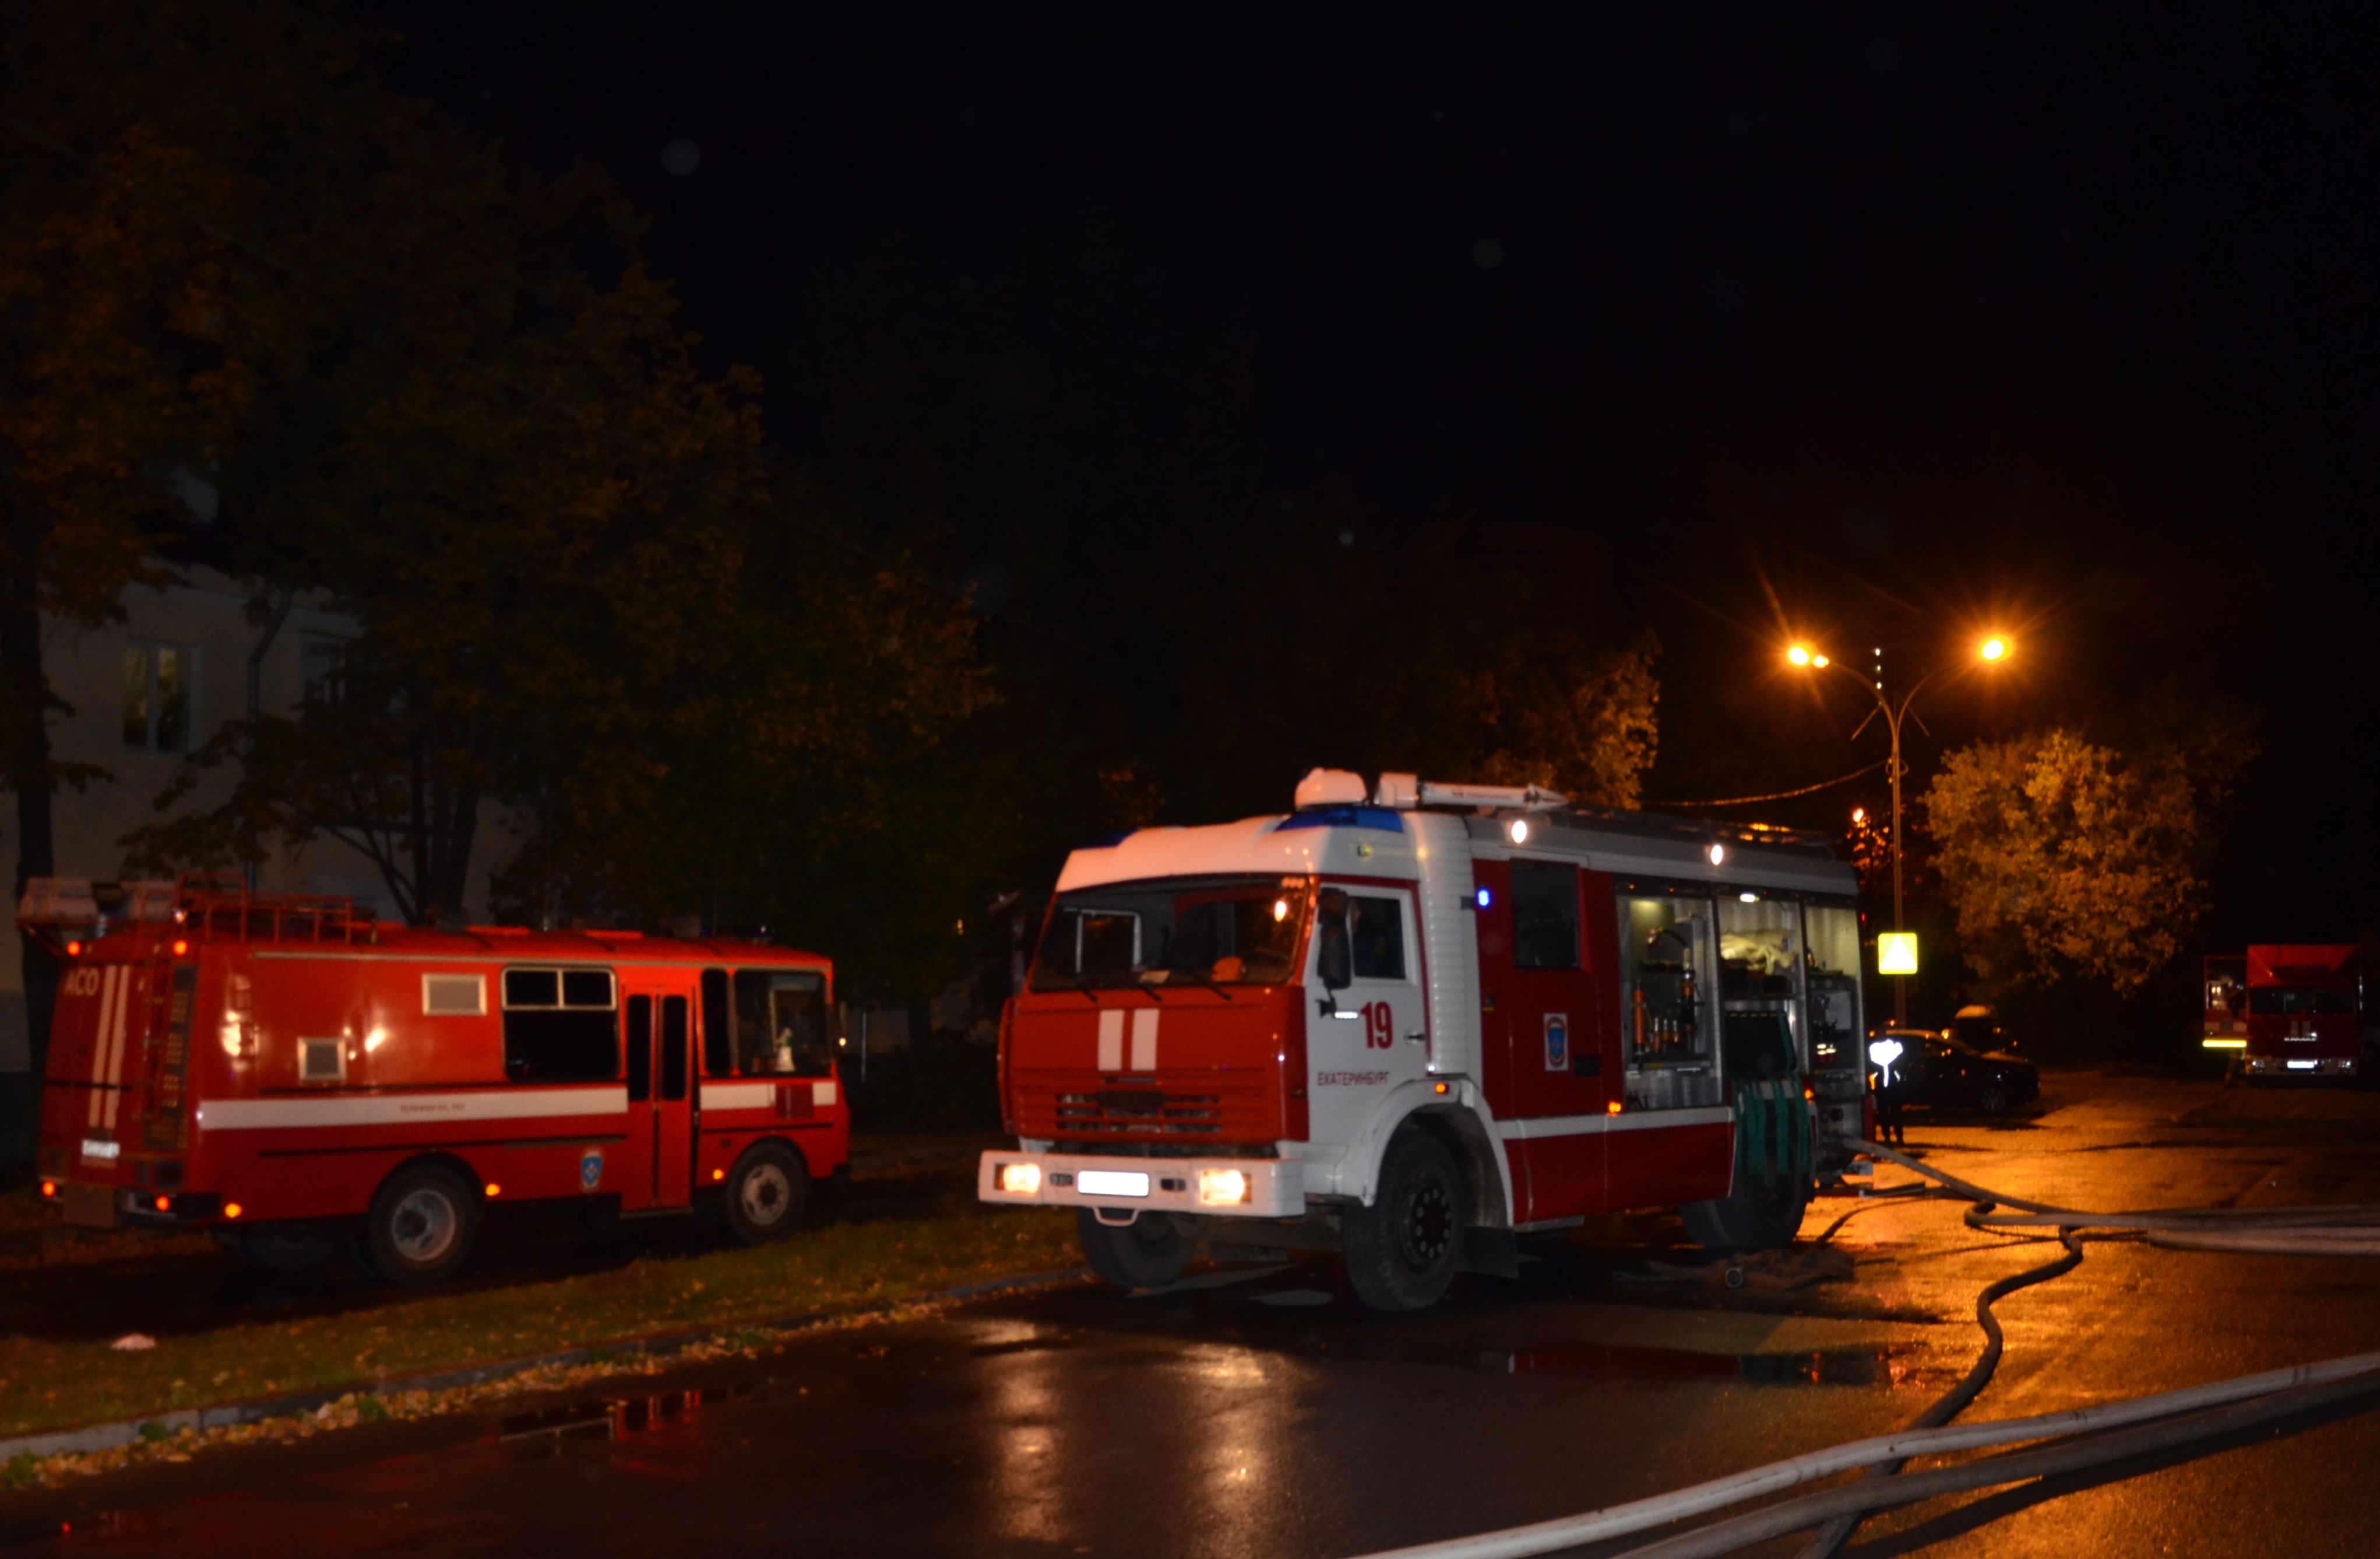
(1990, 651)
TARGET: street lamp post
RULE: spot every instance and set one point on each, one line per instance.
(1991, 651)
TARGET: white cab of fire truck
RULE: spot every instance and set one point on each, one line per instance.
(1276, 1033)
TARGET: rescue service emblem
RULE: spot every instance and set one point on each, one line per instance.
(1557, 1041)
(590, 1168)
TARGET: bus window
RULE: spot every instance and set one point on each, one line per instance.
(559, 1026)
(718, 1052)
(780, 1023)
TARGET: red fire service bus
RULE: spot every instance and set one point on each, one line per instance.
(1416, 1023)
(292, 1074)
(2305, 1011)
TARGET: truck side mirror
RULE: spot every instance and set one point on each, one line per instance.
(1335, 958)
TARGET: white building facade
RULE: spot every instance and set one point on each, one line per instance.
(142, 694)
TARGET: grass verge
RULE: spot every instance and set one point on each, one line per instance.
(47, 1383)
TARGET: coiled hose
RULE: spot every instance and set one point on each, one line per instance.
(2074, 1438)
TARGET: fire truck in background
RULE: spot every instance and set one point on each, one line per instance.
(2305, 1012)
(2223, 982)
(1416, 1023)
(295, 1075)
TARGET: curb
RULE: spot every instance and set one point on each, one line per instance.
(108, 1435)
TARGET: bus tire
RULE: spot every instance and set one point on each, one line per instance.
(421, 1226)
(1148, 1253)
(1401, 1252)
(286, 1247)
(767, 1193)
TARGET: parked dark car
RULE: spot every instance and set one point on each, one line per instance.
(1935, 1070)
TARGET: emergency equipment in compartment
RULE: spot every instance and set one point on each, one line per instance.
(1417, 1022)
(296, 1076)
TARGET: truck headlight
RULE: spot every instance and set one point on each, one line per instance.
(1224, 1188)
(1021, 1179)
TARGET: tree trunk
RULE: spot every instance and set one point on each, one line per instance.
(29, 773)
(458, 822)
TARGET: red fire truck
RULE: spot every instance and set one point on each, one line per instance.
(292, 1074)
(1416, 1023)
(2224, 980)
(2305, 1011)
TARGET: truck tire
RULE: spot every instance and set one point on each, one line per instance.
(421, 1226)
(1147, 1252)
(766, 1192)
(1401, 1252)
(1770, 1187)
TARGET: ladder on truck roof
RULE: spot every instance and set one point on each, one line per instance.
(65, 914)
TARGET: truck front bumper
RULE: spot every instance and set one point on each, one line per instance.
(1251, 1188)
(2301, 1066)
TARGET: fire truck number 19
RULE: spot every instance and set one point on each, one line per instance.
(1379, 1026)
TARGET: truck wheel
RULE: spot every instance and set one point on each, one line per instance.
(287, 1248)
(1147, 1252)
(766, 1192)
(1399, 1252)
(421, 1225)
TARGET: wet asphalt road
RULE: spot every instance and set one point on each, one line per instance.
(1256, 1412)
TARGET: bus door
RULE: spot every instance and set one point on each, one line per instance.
(657, 1015)
(1563, 1064)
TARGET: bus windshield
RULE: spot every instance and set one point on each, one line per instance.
(1222, 931)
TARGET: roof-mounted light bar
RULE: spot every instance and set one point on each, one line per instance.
(1405, 791)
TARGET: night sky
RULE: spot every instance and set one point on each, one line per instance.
(1878, 330)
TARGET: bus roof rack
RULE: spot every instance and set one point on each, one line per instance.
(64, 913)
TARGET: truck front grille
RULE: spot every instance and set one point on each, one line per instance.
(1142, 1112)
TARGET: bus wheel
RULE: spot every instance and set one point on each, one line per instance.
(1399, 1252)
(1147, 1252)
(285, 1249)
(420, 1225)
(766, 1192)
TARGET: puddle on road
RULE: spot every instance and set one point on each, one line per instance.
(1615, 1365)
(1664, 1366)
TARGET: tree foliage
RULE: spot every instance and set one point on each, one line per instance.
(2066, 859)
(468, 419)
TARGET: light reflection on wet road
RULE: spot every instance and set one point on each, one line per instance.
(1218, 1422)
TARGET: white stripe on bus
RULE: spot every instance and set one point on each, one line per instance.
(383, 1109)
(761, 1095)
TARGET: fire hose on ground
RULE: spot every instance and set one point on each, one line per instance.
(2071, 1440)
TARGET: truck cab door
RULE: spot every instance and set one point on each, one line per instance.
(1382, 1039)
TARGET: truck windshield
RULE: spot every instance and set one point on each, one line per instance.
(1224, 931)
(2266, 1001)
